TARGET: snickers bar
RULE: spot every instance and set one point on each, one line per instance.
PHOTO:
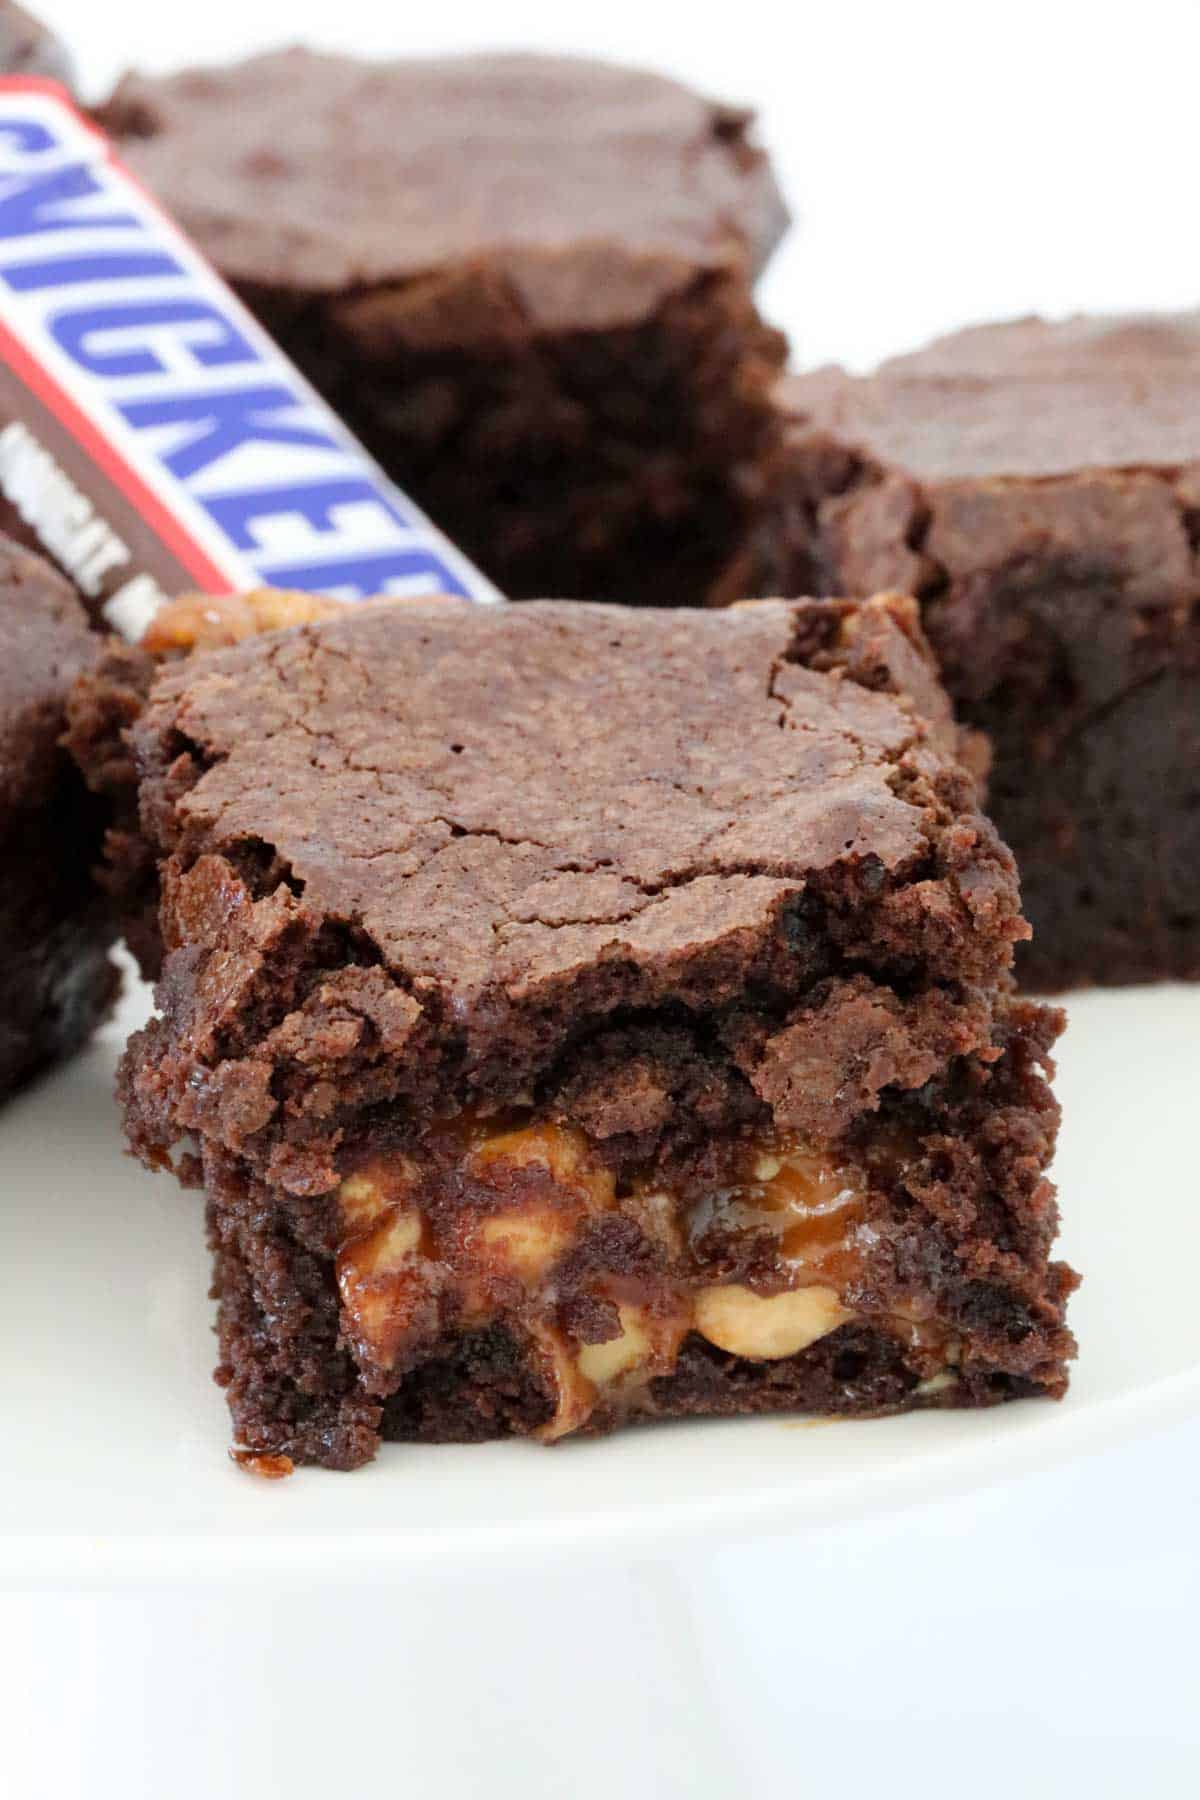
(153, 439)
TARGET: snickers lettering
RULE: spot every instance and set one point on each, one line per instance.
(152, 437)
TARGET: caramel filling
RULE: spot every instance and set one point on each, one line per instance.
(811, 1205)
(522, 1224)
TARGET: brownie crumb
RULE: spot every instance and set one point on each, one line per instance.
(266, 1468)
(56, 980)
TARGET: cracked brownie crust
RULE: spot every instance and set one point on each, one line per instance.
(55, 978)
(578, 1014)
(107, 698)
(525, 282)
(1038, 487)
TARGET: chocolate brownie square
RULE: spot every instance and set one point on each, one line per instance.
(579, 1014)
(56, 981)
(525, 282)
(1038, 486)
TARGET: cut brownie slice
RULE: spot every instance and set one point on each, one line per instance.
(524, 281)
(1039, 487)
(579, 1014)
(56, 981)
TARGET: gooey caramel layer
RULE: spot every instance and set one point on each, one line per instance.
(509, 1242)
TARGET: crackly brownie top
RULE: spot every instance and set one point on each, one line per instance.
(1028, 399)
(47, 643)
(561, 805)
(1085, 344)
(592, 191)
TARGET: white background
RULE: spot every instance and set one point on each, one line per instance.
(947, 160)
(945, 163)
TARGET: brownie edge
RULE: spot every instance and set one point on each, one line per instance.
(1036, 485)
(56, 982)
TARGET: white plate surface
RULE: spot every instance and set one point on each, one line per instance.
(113, 1453)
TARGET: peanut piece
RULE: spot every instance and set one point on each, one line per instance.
(367, 1195)
(211, 621)
(560, 1149)
(602, 1363)
(736, 1319)
(574, 1394)
(936, 1384)
(528, 1242)
(390, 1245)
(380, 1285)
(361, 1204)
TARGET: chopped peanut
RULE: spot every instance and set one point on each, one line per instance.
(736, 1319)
(527, 1243)
(602, 1363)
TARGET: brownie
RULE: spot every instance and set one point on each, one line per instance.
(105, 701)
(27, 47)
(579, 1014)
(56, 981)
(524, 281)
(1038, 486)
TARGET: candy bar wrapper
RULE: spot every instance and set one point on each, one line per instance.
(153, 439)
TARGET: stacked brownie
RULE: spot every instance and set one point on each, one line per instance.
(56, 981)
(525, 282)
(1038, 486)
(578, 1014)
